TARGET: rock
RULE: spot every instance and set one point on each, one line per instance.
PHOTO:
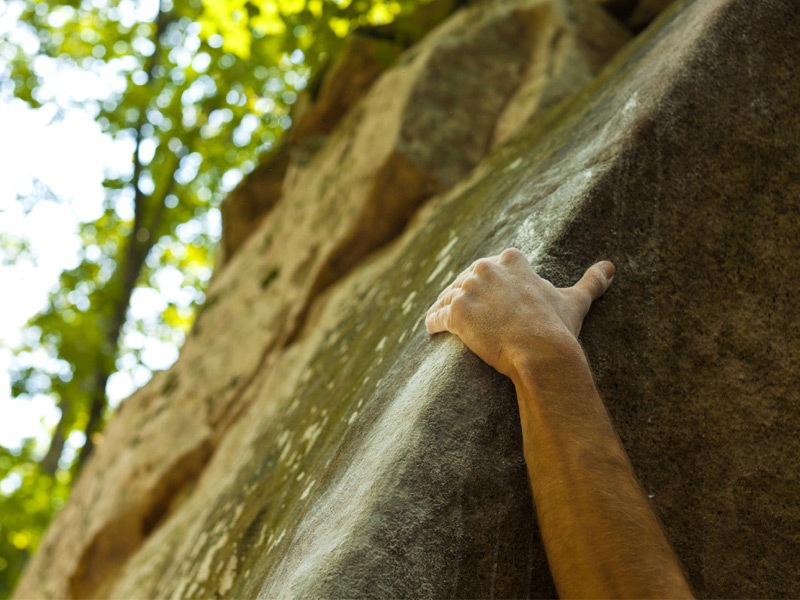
(457, 82)
(366, 53)
(636, 14)
(618, 8)
(561, 45)
(362, 59)
(251, 201)
(645, 12)
(314, 441)
(570, 47)
(679, 166)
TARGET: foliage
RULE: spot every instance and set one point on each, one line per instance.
(198, 89)
(27, 511)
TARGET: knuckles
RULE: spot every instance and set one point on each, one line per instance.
(457, 304)
(458, 311)
(471, 284)
(483, 267)
(510, 255)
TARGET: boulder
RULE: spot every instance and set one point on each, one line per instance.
(354, 193)
(341, 85)
(314, 441)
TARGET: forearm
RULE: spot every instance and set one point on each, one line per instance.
(600, 534)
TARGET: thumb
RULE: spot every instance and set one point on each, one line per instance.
(596, 279)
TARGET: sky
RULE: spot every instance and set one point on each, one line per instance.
(71, 157)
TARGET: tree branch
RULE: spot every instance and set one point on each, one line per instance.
(132, 269)
(140, 243)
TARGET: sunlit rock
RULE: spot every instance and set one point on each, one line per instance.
(331, 94)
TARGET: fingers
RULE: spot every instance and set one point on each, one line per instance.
(450, 291)
(445, 298)
(462, 276)
(438, 320)
(596, 280)
(439, 316)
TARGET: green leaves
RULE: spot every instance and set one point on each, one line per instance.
(28, 500)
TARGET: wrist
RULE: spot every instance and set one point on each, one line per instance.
(554, 358)
(557, 395)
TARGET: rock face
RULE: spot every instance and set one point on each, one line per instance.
(367, 52)
(475, 86)
(314, 441)
(645, 11)
(637, 14)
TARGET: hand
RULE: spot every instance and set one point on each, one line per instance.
(506, 313)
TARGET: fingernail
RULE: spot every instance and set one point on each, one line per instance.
(610, 271)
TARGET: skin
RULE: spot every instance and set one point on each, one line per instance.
(599, 531)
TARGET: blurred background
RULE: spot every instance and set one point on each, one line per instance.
(123, 125)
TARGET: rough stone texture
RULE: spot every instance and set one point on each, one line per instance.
(366, 53)
(420, 129)
(645, 12)
(362, 59)
(245, 207)
(572, 43)
(342, 452)
(636, 14)
(541, 52)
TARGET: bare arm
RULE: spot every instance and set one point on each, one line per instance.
(601, 536)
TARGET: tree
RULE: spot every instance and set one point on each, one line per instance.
(199, 89)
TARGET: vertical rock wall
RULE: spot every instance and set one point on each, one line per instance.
(314, 441)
